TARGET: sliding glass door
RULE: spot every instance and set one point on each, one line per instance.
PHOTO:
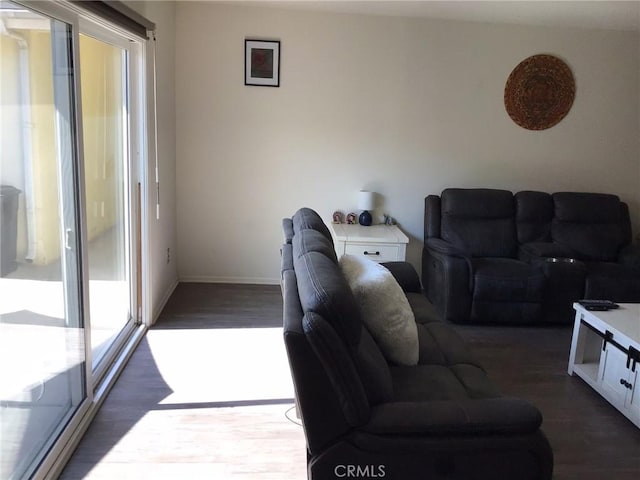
(71, 155)
(105, 107)
(42, 352)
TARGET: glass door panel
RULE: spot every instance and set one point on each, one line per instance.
(106, 165)
(42, 372)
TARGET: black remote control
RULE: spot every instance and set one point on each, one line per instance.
(598, 305)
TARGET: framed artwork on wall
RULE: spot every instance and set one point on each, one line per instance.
(262, 62)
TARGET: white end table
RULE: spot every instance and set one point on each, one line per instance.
(381, 243)
(605, 353)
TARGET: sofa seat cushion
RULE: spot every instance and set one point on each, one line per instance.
(441, 345)
(423, 310)
(507, 280)
(384, 308)
(612, 281)
(476, 416)
(438, 382)
(507, 291)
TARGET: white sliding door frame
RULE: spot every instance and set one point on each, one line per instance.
(142, 137)
(131, 136)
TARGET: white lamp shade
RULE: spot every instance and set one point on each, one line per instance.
(365, 200)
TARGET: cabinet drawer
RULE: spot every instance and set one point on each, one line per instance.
(377, 252)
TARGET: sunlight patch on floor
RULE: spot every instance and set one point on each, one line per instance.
(223, 365)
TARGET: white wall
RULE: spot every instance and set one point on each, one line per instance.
(164, 270)
(403, 107)
(162, 231)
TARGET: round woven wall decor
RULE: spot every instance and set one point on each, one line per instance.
(539, 92)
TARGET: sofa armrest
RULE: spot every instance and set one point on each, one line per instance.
(287, 230)
(542, 250)
(405, 275)
(442, 247)
(447, 278)
(438, 247)
(286, 260)
(629, 256)
(445, 417)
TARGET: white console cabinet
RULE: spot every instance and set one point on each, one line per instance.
(605, 353)
(381, 243)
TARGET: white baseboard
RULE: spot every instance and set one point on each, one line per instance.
(238, 280)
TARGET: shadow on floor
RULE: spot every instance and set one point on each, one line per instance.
(139, 390)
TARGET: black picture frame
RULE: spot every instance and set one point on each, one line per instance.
(261, 62)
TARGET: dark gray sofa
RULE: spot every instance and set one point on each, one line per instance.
(494, 257)
(442, 418)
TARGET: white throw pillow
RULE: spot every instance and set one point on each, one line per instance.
(384, 307)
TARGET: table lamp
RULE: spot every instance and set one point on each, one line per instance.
(365, 203)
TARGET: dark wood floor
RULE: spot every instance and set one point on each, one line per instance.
(591, 440)
(208, 395)
(206, 305)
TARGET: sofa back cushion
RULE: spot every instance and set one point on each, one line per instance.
(339, 367)
(479, 221)
(323, 290)
(319, 406)
(306, 218)
(593, 225)
(308, 240)
(534, 212)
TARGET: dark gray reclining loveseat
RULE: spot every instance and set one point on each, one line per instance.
(494, 257)
(364, 417)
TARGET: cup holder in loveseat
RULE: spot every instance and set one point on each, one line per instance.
(560, 260)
